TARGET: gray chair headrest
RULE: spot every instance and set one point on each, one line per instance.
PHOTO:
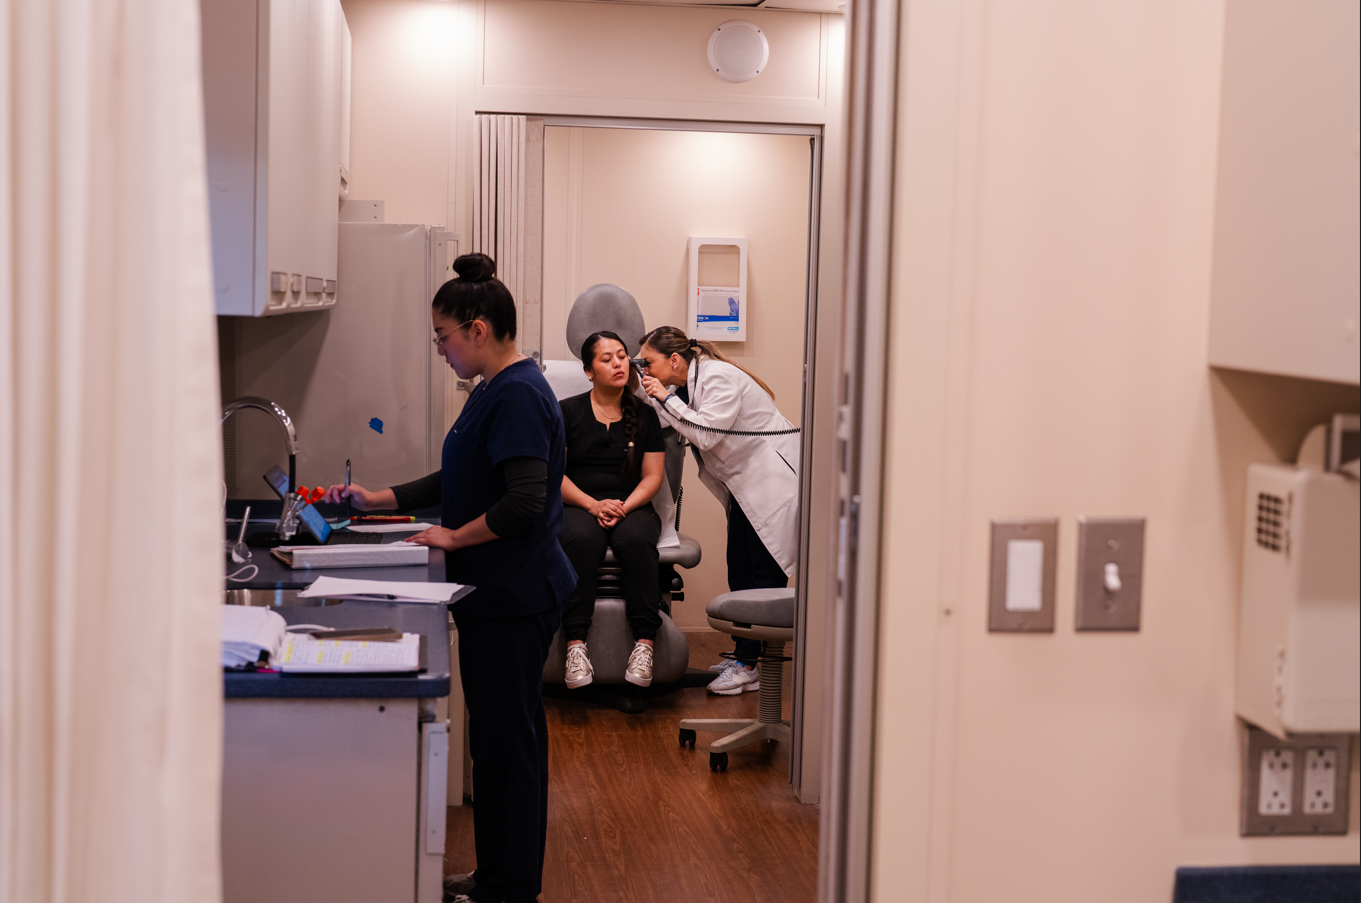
(609, 308)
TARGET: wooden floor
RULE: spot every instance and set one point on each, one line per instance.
(634, 818)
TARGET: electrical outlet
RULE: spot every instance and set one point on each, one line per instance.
(1320, 780)
(1276, 781)
(1296, 785)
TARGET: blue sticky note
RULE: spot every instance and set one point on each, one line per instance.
(376, 425)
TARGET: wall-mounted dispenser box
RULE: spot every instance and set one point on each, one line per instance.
(718, 289)
(1299, 645)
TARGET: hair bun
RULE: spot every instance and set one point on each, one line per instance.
(475, 267)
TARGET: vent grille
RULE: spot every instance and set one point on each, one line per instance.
(1270, 521)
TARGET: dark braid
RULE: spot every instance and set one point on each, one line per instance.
(630, 408)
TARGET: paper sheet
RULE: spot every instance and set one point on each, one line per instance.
(384, 590)
(303, 653)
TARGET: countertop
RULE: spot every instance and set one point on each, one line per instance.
(274, 574)
(431, 621)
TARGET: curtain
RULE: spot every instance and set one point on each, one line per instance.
(508, 213)
(110, 526)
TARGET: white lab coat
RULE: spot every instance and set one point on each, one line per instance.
(762, 472)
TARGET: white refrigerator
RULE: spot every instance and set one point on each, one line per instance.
(361, 381)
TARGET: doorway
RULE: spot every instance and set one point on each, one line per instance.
(621, 199)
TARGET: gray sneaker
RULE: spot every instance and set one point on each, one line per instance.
(735, 681)
(579, 670)
(639, 671)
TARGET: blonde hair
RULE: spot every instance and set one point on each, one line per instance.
(669, 340)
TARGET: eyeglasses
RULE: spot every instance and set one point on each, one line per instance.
(439, 340)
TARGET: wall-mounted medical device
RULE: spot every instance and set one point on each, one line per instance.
(1299, 646)
(718, 289)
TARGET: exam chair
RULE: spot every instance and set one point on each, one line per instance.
(609, 307)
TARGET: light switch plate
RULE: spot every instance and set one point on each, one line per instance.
(1104, 603)
(1021, 594)
(1316, 781)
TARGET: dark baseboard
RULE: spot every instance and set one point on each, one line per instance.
(1269, 884)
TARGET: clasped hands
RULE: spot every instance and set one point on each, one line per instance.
(607, 512)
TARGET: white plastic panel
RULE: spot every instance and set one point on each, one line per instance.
(1299, 660)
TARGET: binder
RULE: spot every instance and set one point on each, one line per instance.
(391, 554)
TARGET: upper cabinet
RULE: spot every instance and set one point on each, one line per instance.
(1288, 219)
(275, 85)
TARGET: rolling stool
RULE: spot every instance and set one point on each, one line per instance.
(759, 614)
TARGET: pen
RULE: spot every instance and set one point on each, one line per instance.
(347, 486)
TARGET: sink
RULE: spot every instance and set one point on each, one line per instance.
(272, 598)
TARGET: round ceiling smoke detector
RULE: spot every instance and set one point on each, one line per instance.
(738, 51)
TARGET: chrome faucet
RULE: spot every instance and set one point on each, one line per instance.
(288, 520)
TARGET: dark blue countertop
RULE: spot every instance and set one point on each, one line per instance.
(431, 621)
(274, 574)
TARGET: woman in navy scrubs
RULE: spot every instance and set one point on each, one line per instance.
(500, 491)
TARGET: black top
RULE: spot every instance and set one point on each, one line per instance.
(595, 452)
(514, 415)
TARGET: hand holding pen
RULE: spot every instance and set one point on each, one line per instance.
(361, 498)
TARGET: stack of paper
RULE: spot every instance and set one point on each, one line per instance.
(247, 632)
(382, 590)
(305, 653)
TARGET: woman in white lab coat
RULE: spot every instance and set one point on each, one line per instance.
(748, 456)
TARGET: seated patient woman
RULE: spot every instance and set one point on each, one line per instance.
(614, 468)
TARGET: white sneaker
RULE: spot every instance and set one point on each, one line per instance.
(579, 670)
(639, 671)
(723, 665)
(736, 681)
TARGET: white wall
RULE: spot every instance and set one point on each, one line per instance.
(1052, 250)
(620, 206)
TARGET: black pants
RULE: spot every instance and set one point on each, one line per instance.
(500, 661)
(750, 566)
(634, 540)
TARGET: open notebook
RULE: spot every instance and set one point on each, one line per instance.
(305, 653)
(257, 638)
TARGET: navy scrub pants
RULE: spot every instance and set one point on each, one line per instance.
(750, 566)
(500, 661)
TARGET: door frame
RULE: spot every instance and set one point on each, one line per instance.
(808, 395)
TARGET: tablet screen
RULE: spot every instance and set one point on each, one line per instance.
(315, 523)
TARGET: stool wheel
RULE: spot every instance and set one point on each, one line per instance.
(687, 738)
(718, 761)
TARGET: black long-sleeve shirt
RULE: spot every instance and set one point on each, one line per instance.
(526, 482)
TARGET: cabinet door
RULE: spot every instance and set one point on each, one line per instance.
(1288, 219)
(231, 113)
(272, 97)
(322, 151)
(285, 177)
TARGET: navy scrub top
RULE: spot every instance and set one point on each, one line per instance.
(514, 415)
